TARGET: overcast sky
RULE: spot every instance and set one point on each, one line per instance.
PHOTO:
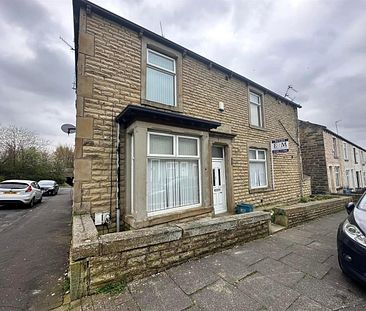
(319, 47)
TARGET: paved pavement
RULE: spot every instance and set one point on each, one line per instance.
(292, 270)
(34, 246)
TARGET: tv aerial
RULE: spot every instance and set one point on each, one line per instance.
(68, 128)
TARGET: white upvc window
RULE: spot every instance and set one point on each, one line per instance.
(335, 153)
(355, 160)
(173, 172)
(345, 151)
(258, 168)
(348, 184)
(161, 78)
(256, 109)
(336, 172)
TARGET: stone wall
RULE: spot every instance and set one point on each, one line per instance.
(313, 156)
(295, 215)
(306, 186)
(109, 78)
(99, 260)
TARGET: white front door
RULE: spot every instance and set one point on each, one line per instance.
(218, 183)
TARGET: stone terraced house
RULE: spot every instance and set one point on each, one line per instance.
(164, 134)
(333, 162)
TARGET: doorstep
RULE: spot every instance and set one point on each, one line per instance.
(274, 228)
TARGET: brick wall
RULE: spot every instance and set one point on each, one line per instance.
(97, 261)
(109, 78)
(313, 156)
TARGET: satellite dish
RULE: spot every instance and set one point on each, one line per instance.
(68, 128)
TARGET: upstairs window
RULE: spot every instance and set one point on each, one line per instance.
(256, 109)
(258, 168)
(355, 155)
(160, 78)
(345, 151)
(335, 153)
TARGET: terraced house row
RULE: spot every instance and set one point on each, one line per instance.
(334, 163)
(166, 135)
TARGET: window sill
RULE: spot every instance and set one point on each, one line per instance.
(260, 128)
(172, 216)
(149, 103)
(259, 190)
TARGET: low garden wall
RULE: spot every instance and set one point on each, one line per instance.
(291, 216)
(96, 261)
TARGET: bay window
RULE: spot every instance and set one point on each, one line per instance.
(173, 172)
(160, 78)
(258, 168)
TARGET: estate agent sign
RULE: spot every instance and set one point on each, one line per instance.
(279, 145)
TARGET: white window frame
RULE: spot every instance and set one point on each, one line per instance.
(345, 151)
(335, 151)
(355, 155)
(175, 156)
(261, 123)
(337, 176)
(256, 161)
(154, 66)
(348, 183)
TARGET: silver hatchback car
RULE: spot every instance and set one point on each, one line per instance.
(16, 191)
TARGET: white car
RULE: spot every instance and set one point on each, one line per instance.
(15, 191)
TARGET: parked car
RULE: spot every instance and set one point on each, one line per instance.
(15, 191)
(49, 187)
(351, 241)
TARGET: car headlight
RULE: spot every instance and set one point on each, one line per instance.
(354, 233)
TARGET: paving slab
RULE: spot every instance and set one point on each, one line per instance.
(315, 254)
(278, 271)
(224, 296)
(227, 267)
(296, 236)
(245, 255)
(272, 246)
(306, 265)
(272, 294)
(159, 293)
(336, 278)
(325, 294)
(304, 303)
(193, 275)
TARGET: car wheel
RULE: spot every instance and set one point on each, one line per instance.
(54, 192)
(40, 199)
(31, 203)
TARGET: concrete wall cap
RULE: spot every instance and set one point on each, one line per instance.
(122, 241)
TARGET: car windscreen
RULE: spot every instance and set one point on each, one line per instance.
(13, 185)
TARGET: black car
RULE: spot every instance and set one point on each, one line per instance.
(48, 187)
(351, 241)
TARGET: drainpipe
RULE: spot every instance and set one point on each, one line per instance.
(118, 210)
